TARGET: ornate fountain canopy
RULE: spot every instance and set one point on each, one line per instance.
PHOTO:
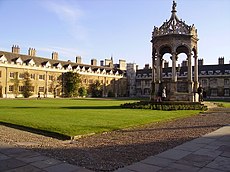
(174, 26)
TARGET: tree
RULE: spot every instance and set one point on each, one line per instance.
(96, 89)
(71, 83)
(27, 86)
(82, 91)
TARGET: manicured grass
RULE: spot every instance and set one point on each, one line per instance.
(226, 104)
(73, 117)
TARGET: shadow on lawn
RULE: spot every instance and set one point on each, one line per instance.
(91, 107)
(37, 131)
(26, 107)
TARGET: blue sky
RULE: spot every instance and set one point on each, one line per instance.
(101, 28)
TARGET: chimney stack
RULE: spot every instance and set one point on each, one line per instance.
(102, 63)
(94, 62)
(166, 64)
(146, 66)
(184, 63)
(200, 62)
(32, 52)
(78, 59)
(54, 56)
(122, 64)
(221, 60)
(15, 49)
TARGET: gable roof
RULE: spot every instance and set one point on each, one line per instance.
(41, 61)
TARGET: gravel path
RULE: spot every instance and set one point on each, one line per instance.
(109, 151)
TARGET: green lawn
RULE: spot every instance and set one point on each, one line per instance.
(73, 117)
(226, 104)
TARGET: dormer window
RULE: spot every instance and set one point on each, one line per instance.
(31, 62)
(19, 61)
(203, 72)
(69, 67)
(46, 64)
(227, 71)
(58, 65)
(104, 71)
(78, 68)
(98, 70)
(210, 72)
(3, 59)
(217, 71)
(89, 70)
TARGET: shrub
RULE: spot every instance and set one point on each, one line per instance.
(165, 105)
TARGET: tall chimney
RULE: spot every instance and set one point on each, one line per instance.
(32, 52)
(15, 49)
(166, 64)
(122, 64)
(94, 62)
(146, 66)
(54, 55)
(200, 62)
(78, 59)
(221, 60)
(102, 63)
(184, 63)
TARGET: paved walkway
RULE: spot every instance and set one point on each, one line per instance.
(210, 153)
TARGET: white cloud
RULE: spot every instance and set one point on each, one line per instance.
(71, 14)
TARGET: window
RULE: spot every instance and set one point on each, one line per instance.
(90, 81)
(32, 88)
(138, 83)
(11, 74)
(146, 91)
(0, 74)
(41, 89)
(11, 88)
(226, 82)
(50, 90)
(226, 92)
(32, 76)
(42, 77)
(147, 83)
(21, 88)
(21, 75)
(51, 77)
(213, 92)
(204, 82)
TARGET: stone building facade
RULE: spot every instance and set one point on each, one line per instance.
(46, 74)
(215, 79)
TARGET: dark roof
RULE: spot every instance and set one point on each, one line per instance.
(219, 69)
(41, 61)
